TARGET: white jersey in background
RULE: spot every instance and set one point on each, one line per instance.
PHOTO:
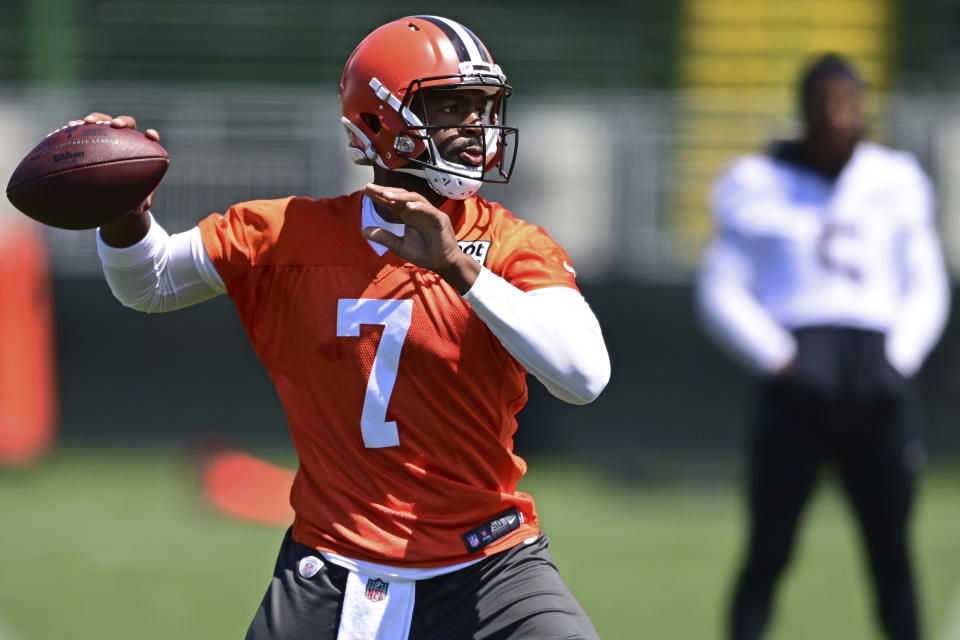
(795, 249)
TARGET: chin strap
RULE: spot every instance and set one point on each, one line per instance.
(451, 186)
(445, 184)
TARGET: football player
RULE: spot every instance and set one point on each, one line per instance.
(826, 279)
(398, 324)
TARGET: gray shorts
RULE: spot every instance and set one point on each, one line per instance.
(514, 594)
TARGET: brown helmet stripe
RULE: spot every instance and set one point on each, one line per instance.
(459, 44)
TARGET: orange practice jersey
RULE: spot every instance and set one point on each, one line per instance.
(401, 403)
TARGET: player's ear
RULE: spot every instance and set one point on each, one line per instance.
(372, 121)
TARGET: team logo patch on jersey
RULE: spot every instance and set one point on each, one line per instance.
(309, 566)
(476, 249)
(376, 589)
(492, 530)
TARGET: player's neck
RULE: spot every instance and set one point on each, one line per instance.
(826, 159)
(404, 181)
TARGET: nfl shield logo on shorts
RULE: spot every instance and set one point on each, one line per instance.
(309, 566)
(376, 589)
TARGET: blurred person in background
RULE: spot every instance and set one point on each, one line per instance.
(398, 324)
(826, 280)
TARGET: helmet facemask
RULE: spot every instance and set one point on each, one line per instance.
(447, 166)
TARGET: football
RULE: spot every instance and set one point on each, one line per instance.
(84, 176)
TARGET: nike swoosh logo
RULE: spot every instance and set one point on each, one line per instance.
(569, 268)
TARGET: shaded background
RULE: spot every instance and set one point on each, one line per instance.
(627, 111)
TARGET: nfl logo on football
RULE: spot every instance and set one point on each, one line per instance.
(376, 589)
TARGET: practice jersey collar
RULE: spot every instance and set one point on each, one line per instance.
(370, 218)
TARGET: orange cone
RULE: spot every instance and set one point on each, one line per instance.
(243, 486)
(28, 388)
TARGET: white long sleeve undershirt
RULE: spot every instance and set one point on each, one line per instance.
(552, 332)
(161, 272)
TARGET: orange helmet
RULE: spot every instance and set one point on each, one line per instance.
(386, 72)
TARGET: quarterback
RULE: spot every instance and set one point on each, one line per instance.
(398, 324)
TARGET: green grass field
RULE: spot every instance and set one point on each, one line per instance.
(117, 544)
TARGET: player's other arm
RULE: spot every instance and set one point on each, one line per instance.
(731, 315)
(147, 269)
(552, 332)
(924, 307)
(160, 272)
(726, 304)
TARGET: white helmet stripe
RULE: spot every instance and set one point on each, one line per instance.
(387, 96)
(466, 44)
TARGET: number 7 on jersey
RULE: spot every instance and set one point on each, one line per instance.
(395, 316)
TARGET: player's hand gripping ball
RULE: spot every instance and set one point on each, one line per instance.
(86, 175)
